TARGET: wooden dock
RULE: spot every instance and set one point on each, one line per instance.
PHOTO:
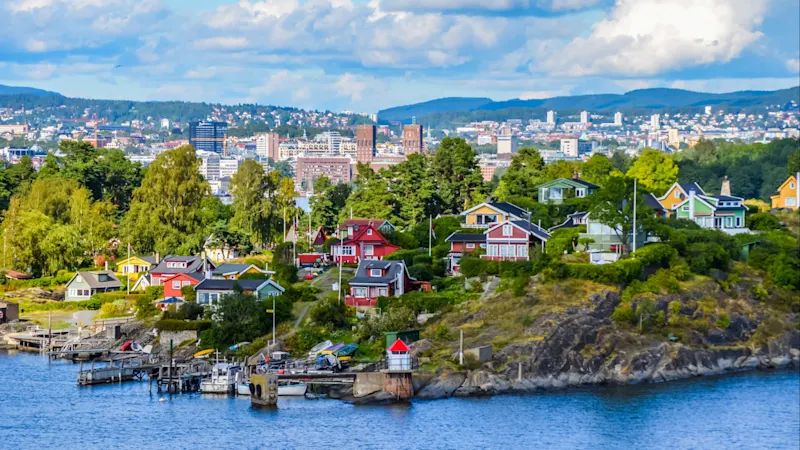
(115, 373)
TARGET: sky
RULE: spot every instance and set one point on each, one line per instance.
(366, 55)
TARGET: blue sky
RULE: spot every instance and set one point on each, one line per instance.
(365, 55)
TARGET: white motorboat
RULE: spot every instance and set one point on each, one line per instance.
(292, 390)
(243, 389)
(223, 379)
(317, 349)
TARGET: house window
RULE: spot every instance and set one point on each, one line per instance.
(483, 245)
(79, 279)
(580, 193)
(369, 250)
(507, 230)
(176, 284)
(346, 250)
(359, 292)
(522, 250)
(492, 250)
(369, 232)
(383, 292)
(677, 194)
(506, 251)
(186, 283)
(738, 222)
(790, 201)
(685, 208)
(470, 246)
(555, 193)
(375, 272)
(791, 185)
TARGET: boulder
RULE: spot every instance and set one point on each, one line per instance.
(377, 398)
(442, 386)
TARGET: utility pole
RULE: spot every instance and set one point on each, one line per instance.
(128, 275)
(338, 247)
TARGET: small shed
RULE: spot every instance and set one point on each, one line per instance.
(9, 312)
(407, 336)
(398, 356)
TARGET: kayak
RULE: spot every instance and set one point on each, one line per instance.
(203, 353)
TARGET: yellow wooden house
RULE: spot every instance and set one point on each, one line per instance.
(788, 194)
(677, 194)
(488, 214)
(135, 264)
(236, 271)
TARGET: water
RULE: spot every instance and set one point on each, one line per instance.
(41, 406)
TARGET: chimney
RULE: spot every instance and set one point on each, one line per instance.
(726, 187)
(106, 265)
(158, 258)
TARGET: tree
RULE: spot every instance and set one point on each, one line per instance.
(458, 177)
(415, 191)
(323, 212)
(613, 207)
(655, 171)
(705, 151)
(241, 317)
(522, 176)
(50, 167)
(597, 169)
(165, 213)
(250, 208)
(371, 197)
(621, 161)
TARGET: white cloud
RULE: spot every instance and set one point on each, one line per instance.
(793, 65)
(476, 6)
(222, 43)
(647, 37)
(534, 95)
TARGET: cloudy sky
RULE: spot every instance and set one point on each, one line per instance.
(366, 55)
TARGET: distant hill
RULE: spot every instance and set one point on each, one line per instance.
(405, 113)
(641, 100)
(22, 90)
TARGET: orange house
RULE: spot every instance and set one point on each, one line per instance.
(677, 194)
(788, 195)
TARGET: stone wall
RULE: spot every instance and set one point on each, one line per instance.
(176, 337)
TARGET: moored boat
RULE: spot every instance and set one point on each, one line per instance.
(223, 379)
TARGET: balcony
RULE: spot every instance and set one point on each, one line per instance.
(482, 226)
(349, 300)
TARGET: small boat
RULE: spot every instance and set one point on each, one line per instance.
(292, 390)
(204, 353)
(332, 349)
(315, 350)
(243, 389)
(223, 379)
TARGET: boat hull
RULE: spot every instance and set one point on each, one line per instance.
(292, 390)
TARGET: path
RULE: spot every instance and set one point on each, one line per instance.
(490, 286)
(297, 322)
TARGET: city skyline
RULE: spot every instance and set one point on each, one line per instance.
(365, 56)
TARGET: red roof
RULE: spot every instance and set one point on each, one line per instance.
(399, 346)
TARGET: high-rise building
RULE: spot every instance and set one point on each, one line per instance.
(209, 165)
(165, 124)
(412, 139)
(674, 136)
(506, 142)
(618, 119)
(569, 147)
(551, 117)
(584, 117)
(365, 143)
(708, 110)
(337, 168)
(267, 146)
(655, 121)
(209, 136)
(332, 138)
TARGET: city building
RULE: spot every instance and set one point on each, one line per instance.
(209, 165)
(674, 137)
(165, 124)
(412, 139)
(708, 110)
(655, 121)
(569, 147)
(267, 146)
(618, 119)
(551, 117)
(365, 143)
(333, 140)
(337, 168)
(585, 117)
(14, 129)
(506, 143)
(209, 136)
(228, 167)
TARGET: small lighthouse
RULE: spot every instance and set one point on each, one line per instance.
(399, 369)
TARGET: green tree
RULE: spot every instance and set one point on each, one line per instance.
(371, 197)
(50, 167)
(597, 169)
(655, 170)
(241, 317)
(457, 175)
(522, 177)
(165, 211)
(323, 212)
(613, 206)
(415, 191)
(251, 209)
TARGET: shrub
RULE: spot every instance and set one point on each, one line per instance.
(285, 274)
(423, 259)
(422, 272)
(623, 313)
(145, 307)
(188, 293)
(763, 222)
(302, 341)
(704, 256)
(723, 321)
(183, 325)
(329, 311)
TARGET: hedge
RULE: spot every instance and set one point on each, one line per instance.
(183, 325)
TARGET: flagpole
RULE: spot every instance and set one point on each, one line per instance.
(128, 275)
(634, 215)
(430, 234)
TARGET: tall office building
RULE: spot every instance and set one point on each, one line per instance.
(584, 117)
(267, 146)
(551, 117)
(412, 139)
(618, 119)
(365, 143)
(209, 136)
(569, 147)
(655, 121)
(336, 168)
(708, 110)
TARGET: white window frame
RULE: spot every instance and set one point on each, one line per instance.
(790, 201)
(359, 292)
(369, 232)
(176, 284)
(791, 185)
(383, 292)
(470, 245)
(186, 283)
(685, 208)
(522, 250)
(508, 231)
(677, 194)
(580, 192)
(556, 193)
(483, 246)
(375, 273)
(369, 250)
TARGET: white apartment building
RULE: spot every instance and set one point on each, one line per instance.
(551, 117)
(569, 147)
(209, 165)
(655, 121)
(506, 144)
(618, 119)
(585, 117)
(228, 167)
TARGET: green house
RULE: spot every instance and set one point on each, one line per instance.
(557, 190)
(720, 212)
(210, 290)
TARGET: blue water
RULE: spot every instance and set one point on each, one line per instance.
(42, 407)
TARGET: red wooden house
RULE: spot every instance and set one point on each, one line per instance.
(511, 240)
(173, 284)
(379, 279)
(367, 243)
(462, 244)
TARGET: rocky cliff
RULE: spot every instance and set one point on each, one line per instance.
(575, 341)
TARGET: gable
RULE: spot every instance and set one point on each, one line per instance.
(483, 208)
(566, 183)
(786, 185)
(496, 232)
(133, 260)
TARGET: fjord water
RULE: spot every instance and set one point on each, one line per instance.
(42, 407)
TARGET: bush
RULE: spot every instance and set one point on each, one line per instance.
(285, 274)
(302, 341)
(329, 311)
(763, 222)
(145, 307)
(183, 325)
(188, 293)
(723, 321)
(407, 256)
(421, 272)
(704, 256)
